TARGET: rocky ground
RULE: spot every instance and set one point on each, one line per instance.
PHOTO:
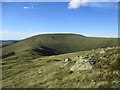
(98, 68)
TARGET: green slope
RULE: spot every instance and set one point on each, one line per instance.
(6, 43)
(52, 44)
(54, 72)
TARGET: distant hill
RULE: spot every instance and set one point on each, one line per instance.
(54, 44)
(4, 43)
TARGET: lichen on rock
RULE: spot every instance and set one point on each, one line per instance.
(83, 63)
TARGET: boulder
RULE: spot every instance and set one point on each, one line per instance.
(67, 60)
(83, 63)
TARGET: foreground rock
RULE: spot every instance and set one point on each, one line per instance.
(83, 63)
(67, 60)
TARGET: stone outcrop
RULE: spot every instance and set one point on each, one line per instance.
(83, 63)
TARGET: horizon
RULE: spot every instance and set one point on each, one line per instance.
(26, 19)
(56, 33)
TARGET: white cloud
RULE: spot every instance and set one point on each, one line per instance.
(26, 7)
(8, 35)
(31, 5)
(108, 35)
(77, 3)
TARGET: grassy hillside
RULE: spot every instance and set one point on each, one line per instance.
(54, 44)
(6, 43)
(84, 62)
(55, 71)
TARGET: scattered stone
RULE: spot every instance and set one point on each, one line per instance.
(104, 58)
(39, 72)
(47, 60)
(67, 60)
(85, 57)
(107, 56)
(66, 84)
(56, 60)
(92, 61)
(109, 48)
(102, 51)
(83, 63)
(77, 56)
(115, 72)
(71, 72)
(92, 55)
(116, 82)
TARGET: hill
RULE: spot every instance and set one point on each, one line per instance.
(5, 43)
(61, 61)
(71, 70)
(54, 44)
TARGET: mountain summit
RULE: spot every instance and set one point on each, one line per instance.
(54, 44)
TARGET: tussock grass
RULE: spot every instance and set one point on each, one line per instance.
(53, 72)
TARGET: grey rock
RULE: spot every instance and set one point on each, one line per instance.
(67, 60)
